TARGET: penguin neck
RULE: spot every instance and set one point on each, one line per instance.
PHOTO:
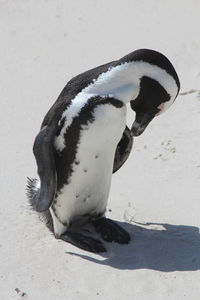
(122, 81)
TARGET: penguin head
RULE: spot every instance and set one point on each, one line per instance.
(144, 78)
(158, 87)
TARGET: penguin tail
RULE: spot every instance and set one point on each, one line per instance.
(32, 191)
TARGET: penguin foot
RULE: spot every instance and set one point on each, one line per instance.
(110, 231)
(84, 242)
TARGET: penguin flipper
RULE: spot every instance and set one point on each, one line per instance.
(123, 149)
(43, 150)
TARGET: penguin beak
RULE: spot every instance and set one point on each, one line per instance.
(141, 122)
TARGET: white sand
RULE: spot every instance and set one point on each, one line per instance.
(44, 44)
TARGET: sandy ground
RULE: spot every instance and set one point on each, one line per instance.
(155, 195)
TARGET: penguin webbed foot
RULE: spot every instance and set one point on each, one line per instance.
(83, 242)
(111, 231)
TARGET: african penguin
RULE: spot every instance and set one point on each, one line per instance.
(84, 139)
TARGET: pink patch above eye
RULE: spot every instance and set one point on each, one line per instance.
(160, 107)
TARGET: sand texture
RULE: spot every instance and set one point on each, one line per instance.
(155, 196)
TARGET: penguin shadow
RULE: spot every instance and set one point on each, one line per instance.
(154, 246)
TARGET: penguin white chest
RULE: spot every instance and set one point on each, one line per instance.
(87, 190)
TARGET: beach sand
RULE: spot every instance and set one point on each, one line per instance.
(155, 196)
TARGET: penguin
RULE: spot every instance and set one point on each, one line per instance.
(84, 139)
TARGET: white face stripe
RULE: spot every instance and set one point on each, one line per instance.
(121, 82)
